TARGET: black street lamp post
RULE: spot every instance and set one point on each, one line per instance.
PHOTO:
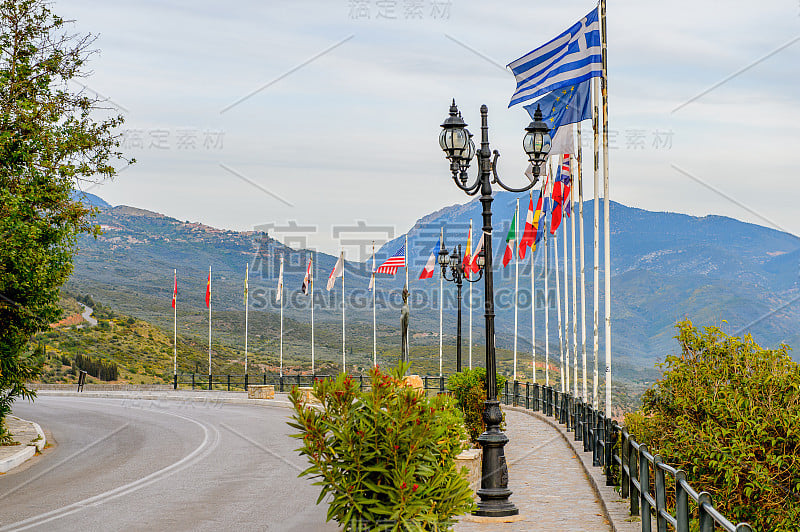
(458, 273)
(457, 144)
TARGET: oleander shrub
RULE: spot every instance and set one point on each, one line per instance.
(727, 412)
(469, 390)
(385, 456)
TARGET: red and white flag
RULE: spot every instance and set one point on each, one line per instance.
(338, 271)
(467, 266)
(308, 279)
(529, 234)
(478, 249)
(430, 266)
(175, 291)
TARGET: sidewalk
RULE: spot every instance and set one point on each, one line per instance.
(193, 397)
(30, 438)
(550, 486)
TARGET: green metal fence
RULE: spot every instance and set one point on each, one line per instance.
(640, 475)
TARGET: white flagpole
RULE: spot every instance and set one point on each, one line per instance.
(408, 329)
(596, 242)
(607, 201)
(533, 301)
(246, 279)
(470, 298)
(344, 362)
(558, 308)
(441, 304)
(313, 276)
(374, 319)
(281, 351)
(574, 296)
(209, 324)
(516, 284)
(583, 265)
(175, 331)
(566, 298)
(546, 285)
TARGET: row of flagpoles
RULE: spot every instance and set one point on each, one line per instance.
(567, 78)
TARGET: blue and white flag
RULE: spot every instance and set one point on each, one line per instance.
(563, 107)
(572, 57)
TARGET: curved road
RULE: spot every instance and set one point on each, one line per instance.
(160, 465)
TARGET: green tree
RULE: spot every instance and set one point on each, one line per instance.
(50, 143)
(727, 412)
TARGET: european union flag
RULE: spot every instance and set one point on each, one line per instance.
(564, 106)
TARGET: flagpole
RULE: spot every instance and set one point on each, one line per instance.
(344, 362)
(566, 298)
(313, 276)
(579, 161)
(470, 297)
(558, 308)
(281, 288)
(246, 279)
(441, 304)
(596, 242)
(533, 303)
(408, 333)
(209, 327)
(607, 201)
(175, 331)
(574, 297)
(546, 282)
(516, 284)
(374, 319)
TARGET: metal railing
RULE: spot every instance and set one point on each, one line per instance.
(640, 475)
(238, 382)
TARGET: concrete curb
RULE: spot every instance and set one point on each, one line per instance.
(25, 452)
(208, 400)
(615, 508)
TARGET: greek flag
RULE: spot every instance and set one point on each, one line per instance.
(572, 57)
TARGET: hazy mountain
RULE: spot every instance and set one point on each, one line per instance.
(664, 267)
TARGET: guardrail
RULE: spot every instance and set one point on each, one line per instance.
(234, 382)
(640, 475)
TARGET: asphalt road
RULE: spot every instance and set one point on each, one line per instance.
(160, 465)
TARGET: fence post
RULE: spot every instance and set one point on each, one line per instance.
(441, 383)
(175, 383)
(425, 385)
(706, 521)
(596, 457)
(661, 495)
(527, 395)
(587, 411)
(280, 383)
(610, 439)
(681, 503)
(634, 458)
(245, 382)
(210, 382)
(229, 382)
(298, 380)
(624, 468)
(192, 381)
(644, 488)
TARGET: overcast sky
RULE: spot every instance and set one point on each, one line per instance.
(325, 113)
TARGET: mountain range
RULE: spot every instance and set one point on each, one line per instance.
(664, 267)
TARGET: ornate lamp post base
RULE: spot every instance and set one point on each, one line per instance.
(494, 492)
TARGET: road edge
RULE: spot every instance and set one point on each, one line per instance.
(26, 451)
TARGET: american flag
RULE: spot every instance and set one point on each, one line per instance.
(398, 260)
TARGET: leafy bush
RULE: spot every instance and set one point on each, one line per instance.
(385, 456)
(728, 413)
(469, 389)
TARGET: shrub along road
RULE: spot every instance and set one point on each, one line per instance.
(158, 465)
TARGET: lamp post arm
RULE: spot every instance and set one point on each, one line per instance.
(503, 185)
(471, 190)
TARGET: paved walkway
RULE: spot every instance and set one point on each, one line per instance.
(550, 486)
